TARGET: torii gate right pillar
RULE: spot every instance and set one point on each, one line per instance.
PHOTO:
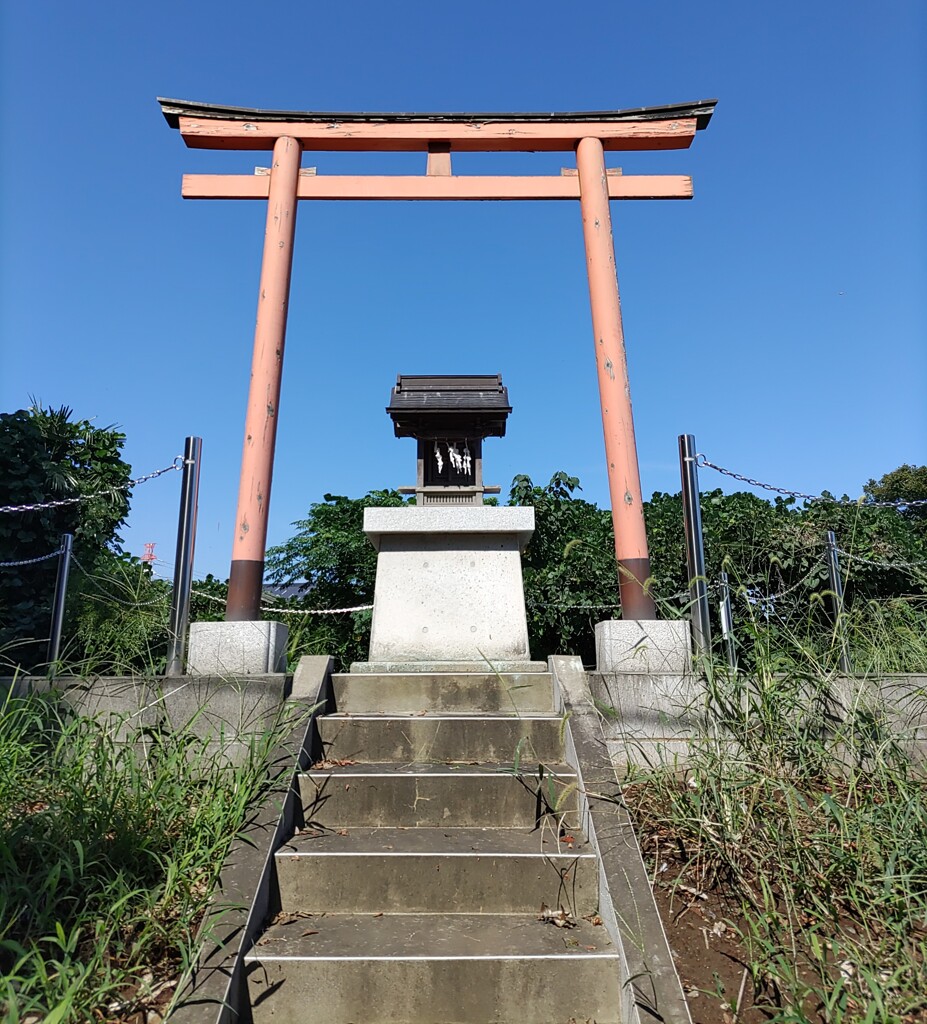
(624, 483)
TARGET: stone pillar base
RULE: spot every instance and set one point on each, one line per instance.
(236, 648)
(643, 646)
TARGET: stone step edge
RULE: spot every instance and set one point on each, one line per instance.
(450, 716)
(412, 668)
(564, 854)
(605, 954)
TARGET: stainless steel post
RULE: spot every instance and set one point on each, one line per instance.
(836, 587)
(695, 551)
(61, 593)
(183, 560)
(727, 621)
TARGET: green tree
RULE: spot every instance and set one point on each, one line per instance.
(46, 455)
(571, 579)
(906, 483)
(331, 556)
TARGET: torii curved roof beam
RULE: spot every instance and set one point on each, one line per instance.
(213, 126)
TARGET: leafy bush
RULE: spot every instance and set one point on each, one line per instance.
(46, 455)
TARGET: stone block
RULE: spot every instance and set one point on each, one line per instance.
(236, 648)
(449, 584)
(449, 519)
(643, 646)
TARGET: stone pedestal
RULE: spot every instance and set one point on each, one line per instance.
(449, 588)
(231, 649)
(643, 646)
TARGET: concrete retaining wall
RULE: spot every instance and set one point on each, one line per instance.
(653, 718)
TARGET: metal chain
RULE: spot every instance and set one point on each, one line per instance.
(291, 611)
(542, 604)
(745, 592)
(178, 463)
(112, 597)
(315, 611)
(916, 566)
(32, 561)
(702, 460)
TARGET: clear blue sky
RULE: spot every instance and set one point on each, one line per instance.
(779, 316)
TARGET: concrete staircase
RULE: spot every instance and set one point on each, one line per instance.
(440, 820)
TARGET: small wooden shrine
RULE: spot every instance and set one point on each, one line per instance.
(449, 417)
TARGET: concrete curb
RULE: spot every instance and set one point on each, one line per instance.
(649, 981)
(214, 991)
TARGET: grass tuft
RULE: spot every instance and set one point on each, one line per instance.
(109, 850)
(805, 810)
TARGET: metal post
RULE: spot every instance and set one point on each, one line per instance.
(246, 574)
(695, 551)
(61, 593)
(183, 559)
(727, 621)
(836, 586)
(624, 480)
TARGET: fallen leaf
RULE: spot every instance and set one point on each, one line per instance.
(310, 931)
(560, 917)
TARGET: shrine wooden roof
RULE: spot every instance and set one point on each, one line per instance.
(450, 405)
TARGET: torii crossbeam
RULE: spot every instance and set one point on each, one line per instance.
(289, 133)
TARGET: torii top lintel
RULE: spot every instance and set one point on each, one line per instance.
(211, 126)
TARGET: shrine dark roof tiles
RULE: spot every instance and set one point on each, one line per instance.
(476, 404)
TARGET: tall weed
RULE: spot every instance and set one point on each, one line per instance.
(109, 849)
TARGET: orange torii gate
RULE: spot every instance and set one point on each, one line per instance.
(288, 133)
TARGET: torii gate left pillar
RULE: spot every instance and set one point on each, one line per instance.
(257, 458)
(438, 135)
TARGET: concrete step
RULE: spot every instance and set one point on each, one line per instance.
(410, 693)
(464, 738)
(416, 795)
(424, 969)
(437, 871)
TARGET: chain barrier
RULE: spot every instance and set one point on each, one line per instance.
(290, 611)
(32, 561)
(177, 464)
(112, 597)
(920, 566)
(702, 461)
(543, 604)
(754, 595)
(315, 611)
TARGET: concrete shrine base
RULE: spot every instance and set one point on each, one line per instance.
(449, 588)
(236, 648)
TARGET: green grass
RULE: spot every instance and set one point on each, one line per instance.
(809, 818)
(108, 853)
